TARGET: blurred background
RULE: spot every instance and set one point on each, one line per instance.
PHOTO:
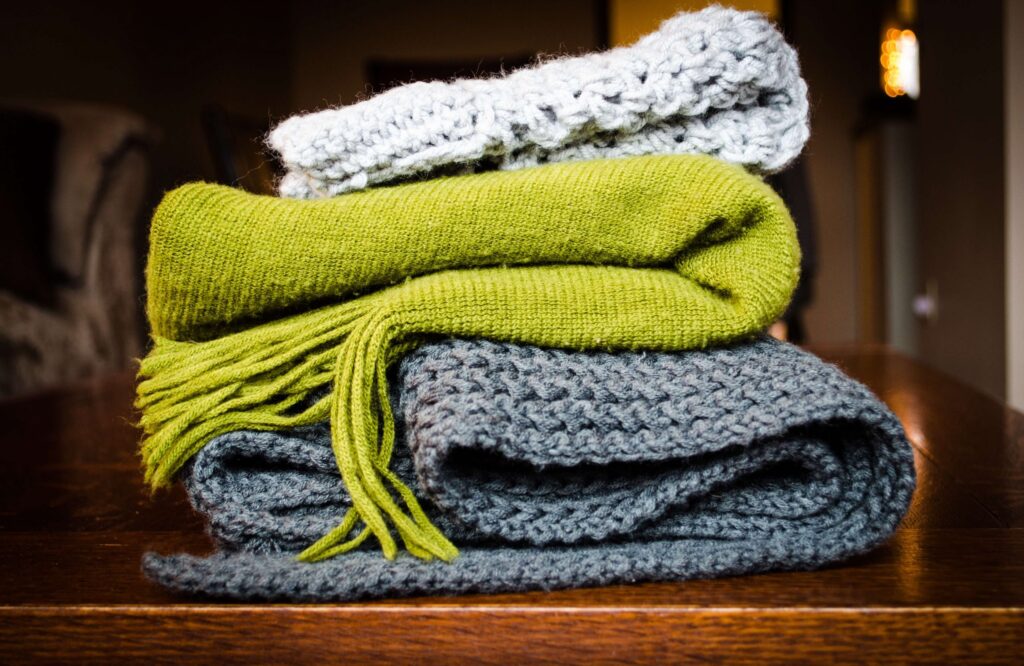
(908, 196)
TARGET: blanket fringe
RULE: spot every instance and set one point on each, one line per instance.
(258, 379)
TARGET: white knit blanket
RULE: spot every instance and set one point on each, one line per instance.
(719, 82)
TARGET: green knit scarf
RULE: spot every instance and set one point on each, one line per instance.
(258, 304)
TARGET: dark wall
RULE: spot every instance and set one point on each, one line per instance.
(961, 191)
(332, 40)
(264, 60)
(162, 61)
(838, 45)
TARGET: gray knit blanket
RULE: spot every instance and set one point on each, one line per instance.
(551, 469)
(718, 82)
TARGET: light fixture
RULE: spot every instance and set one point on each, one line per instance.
(899, 63)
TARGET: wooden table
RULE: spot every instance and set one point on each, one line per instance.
(75, 519)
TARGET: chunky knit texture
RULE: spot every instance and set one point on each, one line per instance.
(717, 82)
(553, 469)
(660, 253)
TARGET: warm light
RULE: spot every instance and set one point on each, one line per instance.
(899, 60)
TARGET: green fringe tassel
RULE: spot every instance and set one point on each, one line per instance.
(193, 392)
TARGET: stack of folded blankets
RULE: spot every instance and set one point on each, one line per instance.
(507, 334)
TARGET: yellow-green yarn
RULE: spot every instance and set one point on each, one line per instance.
(659, 252)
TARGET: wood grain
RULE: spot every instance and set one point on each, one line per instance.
(949, 586)
(520, 634)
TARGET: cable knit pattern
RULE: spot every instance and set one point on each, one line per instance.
(555, 469)
(717, 82)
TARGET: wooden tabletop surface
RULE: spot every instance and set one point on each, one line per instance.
(75, 520)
